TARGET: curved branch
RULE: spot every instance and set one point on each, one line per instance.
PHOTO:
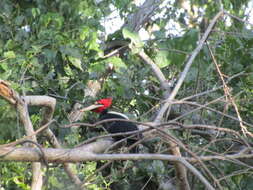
(49, 104)
(45, 101)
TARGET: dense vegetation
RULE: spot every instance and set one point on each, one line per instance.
(63, 49)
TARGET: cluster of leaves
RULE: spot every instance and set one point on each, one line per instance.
(15, 176)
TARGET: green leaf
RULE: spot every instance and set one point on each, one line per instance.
(10, 44)
(35, 12)
(68, 50)
(158, 167)
(36, 49)
(4, 66)
(50, 54)
(84, 32)
(117, 63)
(161, 59)
(136, 43)
(9, 54)
(76, 62)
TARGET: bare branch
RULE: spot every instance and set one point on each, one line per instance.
(180, 169)
(49, 103)
(90, 152)
(229, 96)
(157, 71)
(187, 67)
(85, 154)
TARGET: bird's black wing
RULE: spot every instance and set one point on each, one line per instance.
(120, 127)
(117, 126)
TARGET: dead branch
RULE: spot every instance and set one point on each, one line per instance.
(87, 153)
(90, 152)
(187, 67)
(14, 99)
(229, 96)
(180, 170)
(6, 92)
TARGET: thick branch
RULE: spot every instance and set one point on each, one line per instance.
(58, 155)
(84, 154)
(90, 152)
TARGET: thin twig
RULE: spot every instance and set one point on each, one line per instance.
(229, 96)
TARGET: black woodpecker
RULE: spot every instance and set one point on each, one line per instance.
(101, 107)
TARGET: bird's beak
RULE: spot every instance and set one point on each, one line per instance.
(92, 107)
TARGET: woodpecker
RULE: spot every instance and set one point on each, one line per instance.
(101, 107)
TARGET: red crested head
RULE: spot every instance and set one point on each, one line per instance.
(106, 102)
